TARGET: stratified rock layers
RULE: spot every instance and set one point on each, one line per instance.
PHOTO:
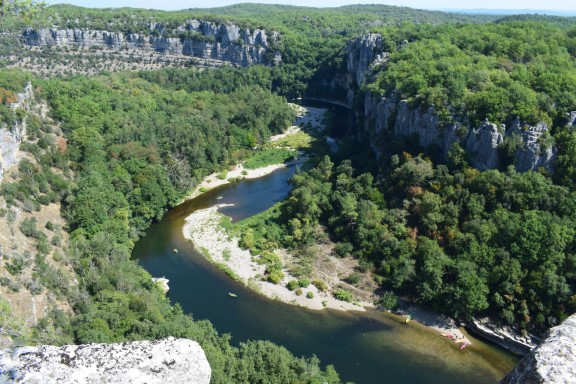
(391, 114)
(169, 360)
(197, 38)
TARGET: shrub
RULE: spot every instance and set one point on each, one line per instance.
(321, 285)
(274, 276)
(343, 249)
(292, 285)
(310, 295)
(28, 227)
(299, 292)
(388, 300)
(304, 283)
(353, 279)
(343, 295)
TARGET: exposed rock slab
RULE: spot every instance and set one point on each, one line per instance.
(197, 38)
(553, 362)
(169, 360)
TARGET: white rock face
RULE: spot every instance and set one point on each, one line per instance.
(12, 137)
(167, 361)
(224, 42)
(553, 362)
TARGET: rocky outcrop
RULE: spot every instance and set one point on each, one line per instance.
(170, 360)
(553, 362)
(504, 336)
(202, 39)
(383, 115)
(12, 136)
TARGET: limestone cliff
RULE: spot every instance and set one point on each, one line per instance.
(553, 362)
(382, 115)
(197, 38)
(170, 360)
(12, 136)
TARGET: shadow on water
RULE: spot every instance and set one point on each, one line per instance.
(365, 347)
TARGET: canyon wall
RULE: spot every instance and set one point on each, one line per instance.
(196, 38)
(383, 115)
(11, 136)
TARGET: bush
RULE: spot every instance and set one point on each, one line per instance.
(292, 285)
(388, 300)
(321, 285)
(274, 276)
(299, 292)
(28, 228)
(310, 295)
(343, 249)
(353, 279)
(304, 283)
(343, 295)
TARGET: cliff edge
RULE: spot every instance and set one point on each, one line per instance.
(169, 360)
(554, 361)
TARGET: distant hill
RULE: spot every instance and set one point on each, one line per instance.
(484, 11)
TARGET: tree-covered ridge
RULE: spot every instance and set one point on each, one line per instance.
(310, 37)
(463, 242)
(139, 146)
(133, 148)
(286, 18)
(495, 71)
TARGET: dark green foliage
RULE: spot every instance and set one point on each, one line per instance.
(495, 71)
(465, 242)
(136, 147)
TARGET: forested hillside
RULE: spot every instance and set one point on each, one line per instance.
(136, 147)
(468, 243)
(428, 229)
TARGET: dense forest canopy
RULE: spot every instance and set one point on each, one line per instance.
(497, 71)
(135, 148)
(464, 242)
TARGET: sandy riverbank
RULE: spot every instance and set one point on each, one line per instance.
(306, 117)
(203, 229)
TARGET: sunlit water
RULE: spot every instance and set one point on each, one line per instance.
(365, 347)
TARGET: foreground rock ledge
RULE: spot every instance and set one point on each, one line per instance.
(553, 362)
(161, 361)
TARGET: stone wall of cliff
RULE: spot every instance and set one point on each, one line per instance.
(383, 115)
(170, 360)
(553, 362)
(12, 136)
(196, 38)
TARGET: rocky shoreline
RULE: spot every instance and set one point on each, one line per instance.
(505, 337)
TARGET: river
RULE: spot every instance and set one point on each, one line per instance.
(365, 347)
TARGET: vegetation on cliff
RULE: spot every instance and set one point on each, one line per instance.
(135, 148)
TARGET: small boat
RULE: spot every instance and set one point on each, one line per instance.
(219, 197)
(408, 318)
(232, 294)
(175, 250)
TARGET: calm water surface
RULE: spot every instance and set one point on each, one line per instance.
(365, 347)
